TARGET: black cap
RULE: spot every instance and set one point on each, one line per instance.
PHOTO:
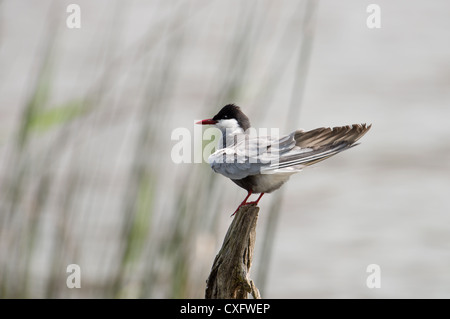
(231, 111)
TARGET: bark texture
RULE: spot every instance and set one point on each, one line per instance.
(229, 277)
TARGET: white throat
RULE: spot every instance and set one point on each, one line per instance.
(231, 132)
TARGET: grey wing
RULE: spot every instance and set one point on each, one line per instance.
(232, 169)
(298, 158)
(317, 145)
(250, 156)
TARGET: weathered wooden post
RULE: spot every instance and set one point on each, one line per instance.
(229, 277)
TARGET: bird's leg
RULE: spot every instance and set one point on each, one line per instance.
(256, 201)
(244, 202)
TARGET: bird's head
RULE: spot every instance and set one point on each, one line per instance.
(230, 117)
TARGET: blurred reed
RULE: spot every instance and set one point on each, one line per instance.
(86, 176)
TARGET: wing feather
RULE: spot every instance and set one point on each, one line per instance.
(289, 154)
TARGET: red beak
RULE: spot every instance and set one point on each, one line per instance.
(206, 122)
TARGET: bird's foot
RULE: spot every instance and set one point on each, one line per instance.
(244, 203)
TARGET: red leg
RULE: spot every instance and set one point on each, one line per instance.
(244, 202)
(256, 201)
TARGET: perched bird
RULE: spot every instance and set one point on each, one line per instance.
(262, 164)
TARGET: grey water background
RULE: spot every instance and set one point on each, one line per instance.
(86, 118)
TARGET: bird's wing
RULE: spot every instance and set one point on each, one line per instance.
(287, 155)
(326, 135)
(315, 146)
(250, 155)
(298, 158)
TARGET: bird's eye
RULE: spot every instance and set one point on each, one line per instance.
(225, 117)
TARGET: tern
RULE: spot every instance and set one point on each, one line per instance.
(262, 164)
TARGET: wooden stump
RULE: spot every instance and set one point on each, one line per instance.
(229, 277)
